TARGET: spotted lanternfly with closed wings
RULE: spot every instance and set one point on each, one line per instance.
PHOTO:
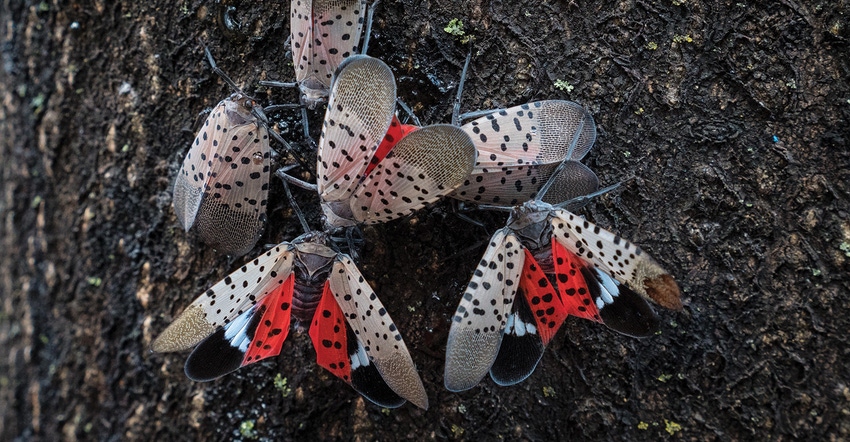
(223, 186)
(246, 317)
(545, 265)
(519, 148)
(324, 33)
(360, 183)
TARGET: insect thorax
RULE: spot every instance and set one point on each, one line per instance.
(311, 267)
(238, 108)
(532, 224)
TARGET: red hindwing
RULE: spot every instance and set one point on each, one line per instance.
(571, 284)
(545, 303)
(274, 325)
(394, 134)
(328, 334)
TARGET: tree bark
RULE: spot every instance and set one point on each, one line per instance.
(727, 124)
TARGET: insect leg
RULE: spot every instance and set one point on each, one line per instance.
(273, 83)
(369, 17)
(306, 125)
(220, 72)
(456, 108)
(294, 205)
(281, 173)
(409, 112)
(581, 200)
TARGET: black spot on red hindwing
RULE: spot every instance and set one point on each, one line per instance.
(274, 326)
(576, 297)
(327, 332)
(548, 311)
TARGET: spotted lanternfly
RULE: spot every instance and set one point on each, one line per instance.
(520, 147)
(324, 33)
(545, 265)
(223, 186)
(246, 317)
(361, 183)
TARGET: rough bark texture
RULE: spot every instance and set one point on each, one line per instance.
(727, 123)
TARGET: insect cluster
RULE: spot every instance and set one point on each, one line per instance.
(546, 263)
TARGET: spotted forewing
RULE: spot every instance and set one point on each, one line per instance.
(377, 337)
(361, 107)
(423, 166)
(324, 33)
(479, 322)
(519, 148)
(222, 187)
(627, 263)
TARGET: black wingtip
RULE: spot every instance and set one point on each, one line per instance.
(367, 381)
(630, 314)
(518, 357)
(213, 358)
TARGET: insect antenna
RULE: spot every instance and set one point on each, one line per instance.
(458, 117)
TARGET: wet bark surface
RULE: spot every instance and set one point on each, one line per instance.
(726, 122)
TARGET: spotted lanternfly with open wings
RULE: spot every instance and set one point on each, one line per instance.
(246, 317)
(324, 33)
(545, 265)
(360, 183)
(223, 186)
(519, 149)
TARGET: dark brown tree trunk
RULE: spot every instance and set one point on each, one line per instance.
(727, 123)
